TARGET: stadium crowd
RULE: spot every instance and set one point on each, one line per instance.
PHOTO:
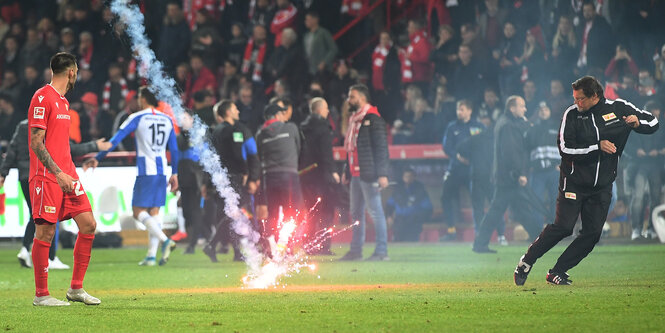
(442, 66)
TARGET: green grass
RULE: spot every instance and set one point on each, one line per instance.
(425, 288)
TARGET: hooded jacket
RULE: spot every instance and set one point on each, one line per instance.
(278, 146)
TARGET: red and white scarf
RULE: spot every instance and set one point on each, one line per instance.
(106, 94)
(407, 72)
(378, 63)
(258, 63)
(355, 122)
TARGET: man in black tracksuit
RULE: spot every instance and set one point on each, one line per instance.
(236, 148)
(320, 181)
(591, 139)
(509, 174)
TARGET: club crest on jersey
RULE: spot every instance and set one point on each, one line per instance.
(571, 195)
(40, 97)
(49, 209)
(609, 116)
(39, 112)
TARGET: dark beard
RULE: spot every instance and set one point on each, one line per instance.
(353, 108)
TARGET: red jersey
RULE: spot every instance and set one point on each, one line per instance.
(50, 111)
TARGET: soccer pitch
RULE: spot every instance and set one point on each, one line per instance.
(424, 288)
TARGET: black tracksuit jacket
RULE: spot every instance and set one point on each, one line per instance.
(583, 164)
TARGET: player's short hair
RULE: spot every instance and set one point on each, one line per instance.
(589, 86)
(511, 102)
(222, 107)
(144, 92)
(362, 89)
(315, 104)
(61, 62)
(466, 103)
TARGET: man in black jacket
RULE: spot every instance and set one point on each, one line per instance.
(17, 156)
(237, 150)
(319, 182)
(509, 174)
(591, 139)
(367, 170)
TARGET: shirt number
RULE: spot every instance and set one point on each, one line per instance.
(158, 134)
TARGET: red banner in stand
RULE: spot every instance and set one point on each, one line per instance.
(403, 152)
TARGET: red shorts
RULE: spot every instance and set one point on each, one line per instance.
(51, 204)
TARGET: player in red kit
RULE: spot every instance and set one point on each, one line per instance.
(56, 193)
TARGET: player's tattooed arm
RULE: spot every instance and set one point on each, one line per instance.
(38, 147)
(65, 181)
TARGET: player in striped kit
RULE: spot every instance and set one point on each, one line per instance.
(154, 132)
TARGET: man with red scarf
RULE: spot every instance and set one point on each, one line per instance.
(255, 54)
(367, 171)
(417, 54)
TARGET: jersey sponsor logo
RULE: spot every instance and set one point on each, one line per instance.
(49, 209)
(571, 195)
(612, 122)
(40, 97)
(62, 116)
(39, 112)
(609, 116)
(238, 137)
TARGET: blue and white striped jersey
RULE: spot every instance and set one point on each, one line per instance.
(153, 132)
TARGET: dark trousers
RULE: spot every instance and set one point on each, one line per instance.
(282, 189)
(321, 218)
(453, 182)
(29, 233)
(408, 228)
(642, 177)
(515, 197)
(593, 206)
(223, 231)
(190, 198)
(481, 191)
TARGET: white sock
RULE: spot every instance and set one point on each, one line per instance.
(153, 225)
(181, 221)
(153, 244)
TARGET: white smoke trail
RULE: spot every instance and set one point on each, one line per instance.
(164, 88)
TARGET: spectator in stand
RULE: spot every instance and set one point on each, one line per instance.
(597, 40)
(339, 85)
(408, 208)
(174, 37)
(659, 65)
(288, 64)
(256, 54)
(468, 77)
(544, 160)
(357, 33)
(320, 47)
(33, 51)
(87, 56)
(457, 173)
(622, 63)
(180, 77)
(131, 106)
(647, 88)
(444, 110)
(115, 90)
(203, 103)
(532, 60)
(644, 172)
(200, 78)
(206, 41)
(402, 127)
(235, 46)
(319, 183)
(67, 41)
(262, 13)
(444, 55)
(11, 84)
(191, 9)
(491, 105)
(424, 124)
(46, 30)
(250, 108)
(386, 77)
(531, 98)
(564, 50)
(507, 56)
(556, 99)
(87, 116)
(231, 80)
(418, 55)
(285, 17)
(104, 118)
(469, 35)
(32, 81)
(10, 54)
(491, 22)
(9, 118)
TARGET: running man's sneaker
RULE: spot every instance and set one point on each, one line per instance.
(502, 240)
(79, 295)
(521, 272)
(48, 301)
(148, 261)
(635, 235)
(561, 279)
(167, 247)
(210, 252)
(57, 264)
(178, 236)
(24, 258)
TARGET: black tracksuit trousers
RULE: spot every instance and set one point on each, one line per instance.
(593, 205)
